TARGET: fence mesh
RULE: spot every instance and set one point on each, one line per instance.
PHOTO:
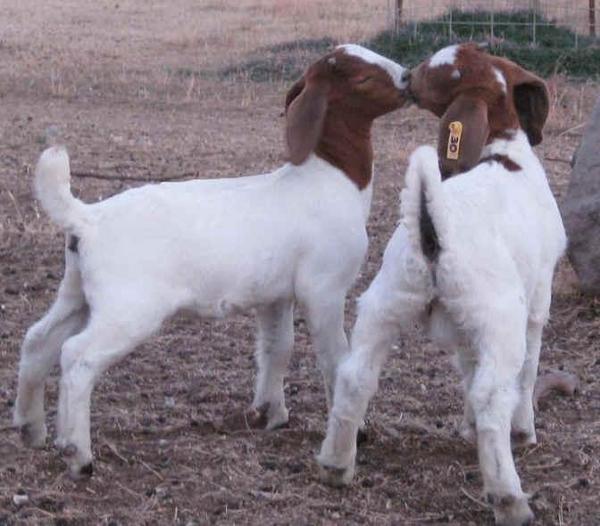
(577, 15)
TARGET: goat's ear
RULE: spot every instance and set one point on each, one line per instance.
(305, 116)
(293, 92)
(463, 133)
(532, 103)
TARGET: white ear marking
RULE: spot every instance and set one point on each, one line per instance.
(455, 74)
(331, 60)
(395, 71)
(445, 56)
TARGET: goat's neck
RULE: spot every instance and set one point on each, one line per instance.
(346, 144)
(512, 144)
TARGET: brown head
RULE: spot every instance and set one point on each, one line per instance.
(330, 110)
(479, 98)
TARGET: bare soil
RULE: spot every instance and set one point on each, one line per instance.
(136, 90)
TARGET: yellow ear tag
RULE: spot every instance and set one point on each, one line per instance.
(454, 140)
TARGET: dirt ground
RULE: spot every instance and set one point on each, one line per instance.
(165, 89)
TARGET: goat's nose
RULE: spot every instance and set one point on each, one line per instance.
(406, 76)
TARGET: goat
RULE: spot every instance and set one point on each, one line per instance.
(472, 261)
(217, 247)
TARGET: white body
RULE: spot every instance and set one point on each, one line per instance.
(222, 245)
(214, 246)
(487, 297)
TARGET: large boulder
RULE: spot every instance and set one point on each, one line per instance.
(581, 208)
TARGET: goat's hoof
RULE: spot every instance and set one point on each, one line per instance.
(363, 435)
(33, 435)
(277, 419)
(69, 450)
(84, 472)
(80, 466)
(336, 477)
(521, 439)
(267, 416)
(87, 470)
(468, 432)
(60, 443)
(510, 510)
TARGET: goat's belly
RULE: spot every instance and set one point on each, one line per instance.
(224, 307)
(221, 294)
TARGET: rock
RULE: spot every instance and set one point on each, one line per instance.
(20, 499)
(581, 208)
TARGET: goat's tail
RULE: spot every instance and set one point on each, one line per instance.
(53, 189)
(422, 204)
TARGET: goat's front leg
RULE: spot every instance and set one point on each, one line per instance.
(326, 322)
(274, 347)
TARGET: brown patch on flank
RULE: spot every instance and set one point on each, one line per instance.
(504, 160)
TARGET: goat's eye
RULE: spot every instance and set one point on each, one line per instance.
(362, 80)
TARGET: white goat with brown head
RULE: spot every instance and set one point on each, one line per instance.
(472, 261)
(217, 247)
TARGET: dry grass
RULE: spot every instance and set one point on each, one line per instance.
(109, 78)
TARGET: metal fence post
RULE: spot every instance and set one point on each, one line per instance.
(398, 15)
(492, 24)
(534, 28)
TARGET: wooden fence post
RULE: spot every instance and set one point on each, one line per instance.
(592, 18)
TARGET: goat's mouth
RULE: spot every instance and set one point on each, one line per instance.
(411, 97)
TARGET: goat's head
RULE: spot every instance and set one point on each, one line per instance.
(350, 85)
(479, 97)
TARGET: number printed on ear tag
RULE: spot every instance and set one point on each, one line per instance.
(453, 151)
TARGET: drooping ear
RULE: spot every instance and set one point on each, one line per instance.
(463, 133)
(305, 116)
(532, 103)
(293, 92)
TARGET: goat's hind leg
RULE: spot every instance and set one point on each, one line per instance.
(523, 424)
(40, 352)
(395, 300)
(84, 358)
(467, 428)
(274, 347)
(493, 396)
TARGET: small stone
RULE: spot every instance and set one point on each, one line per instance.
(20, 499)
(162, 492)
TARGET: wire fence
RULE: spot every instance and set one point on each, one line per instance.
(531, 16)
